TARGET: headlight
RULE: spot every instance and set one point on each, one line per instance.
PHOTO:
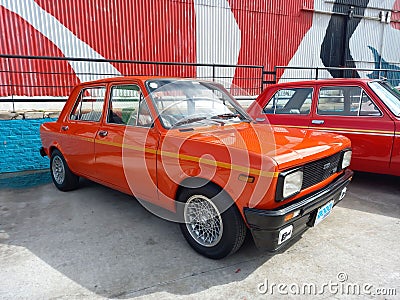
(346, 159)
(289, 184)
(292, 184)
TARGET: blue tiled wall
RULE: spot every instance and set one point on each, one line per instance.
(19, 145)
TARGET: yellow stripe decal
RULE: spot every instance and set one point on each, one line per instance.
(340, 129)
(186, 157)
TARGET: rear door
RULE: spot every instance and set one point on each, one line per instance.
(349, 109)
(289, 106)
(79, 130)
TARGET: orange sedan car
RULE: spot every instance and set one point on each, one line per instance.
(193, 155)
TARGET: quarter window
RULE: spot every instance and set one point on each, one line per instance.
(89, 105)
(144, 117)
(346, 101)
(290, 101)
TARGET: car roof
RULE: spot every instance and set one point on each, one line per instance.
(134, 77)
(327, 81)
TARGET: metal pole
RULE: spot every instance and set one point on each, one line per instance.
(382, 44)
(262, 79)
(12, 88)
(213, 72)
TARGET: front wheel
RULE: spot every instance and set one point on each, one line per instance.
(62, 176)
(212, 224)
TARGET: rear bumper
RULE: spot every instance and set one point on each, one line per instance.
(267, 225)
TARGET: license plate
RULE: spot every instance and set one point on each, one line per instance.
(323, 212)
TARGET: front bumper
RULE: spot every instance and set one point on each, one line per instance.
(266, 225)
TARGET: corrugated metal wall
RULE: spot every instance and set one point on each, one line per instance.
(151, 30)
(156, 30)
(271, 33)
(259, 32)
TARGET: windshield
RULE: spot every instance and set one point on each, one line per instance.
(186, 102)
(389, 95)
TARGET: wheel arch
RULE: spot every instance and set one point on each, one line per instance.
(57, 146)
(198, 182)
(52, 148)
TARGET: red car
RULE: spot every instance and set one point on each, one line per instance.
(366, 111)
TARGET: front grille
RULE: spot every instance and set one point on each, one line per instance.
(320, 170)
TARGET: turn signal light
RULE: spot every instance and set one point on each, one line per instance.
(292, 215)
(246, 178)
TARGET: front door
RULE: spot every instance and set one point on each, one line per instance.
(289, 106)
(349, 110)
(126, 144)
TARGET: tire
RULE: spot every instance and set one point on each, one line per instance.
(62, 176)
(226, 230)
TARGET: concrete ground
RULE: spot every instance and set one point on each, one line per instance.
(95, 242)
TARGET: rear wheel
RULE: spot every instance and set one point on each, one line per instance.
(62, 176)
(212, 224)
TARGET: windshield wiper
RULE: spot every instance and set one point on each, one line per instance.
(225, 116)
(230, 116)
(189, 120)
(197, 119)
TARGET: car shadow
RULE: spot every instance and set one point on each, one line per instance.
(108, 243)
(374, 193)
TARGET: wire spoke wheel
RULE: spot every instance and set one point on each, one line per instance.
(203, 220)
(58, 170)
(61, 174)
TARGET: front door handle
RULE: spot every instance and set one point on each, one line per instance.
(103, 133)
(318, 122)
(64, 128)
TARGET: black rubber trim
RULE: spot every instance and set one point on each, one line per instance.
(266, 224)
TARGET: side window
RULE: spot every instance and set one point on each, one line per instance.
(89, 105)
(290, 101)
(124, 104)
(345, 101)
(128, 107)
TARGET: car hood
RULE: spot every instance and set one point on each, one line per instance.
(288, 147)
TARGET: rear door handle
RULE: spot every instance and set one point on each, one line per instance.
(64, 128)
(318, 122)
(103, 133)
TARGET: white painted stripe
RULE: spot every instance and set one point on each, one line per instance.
(308, 52)
(218, 38)
(68, 43)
